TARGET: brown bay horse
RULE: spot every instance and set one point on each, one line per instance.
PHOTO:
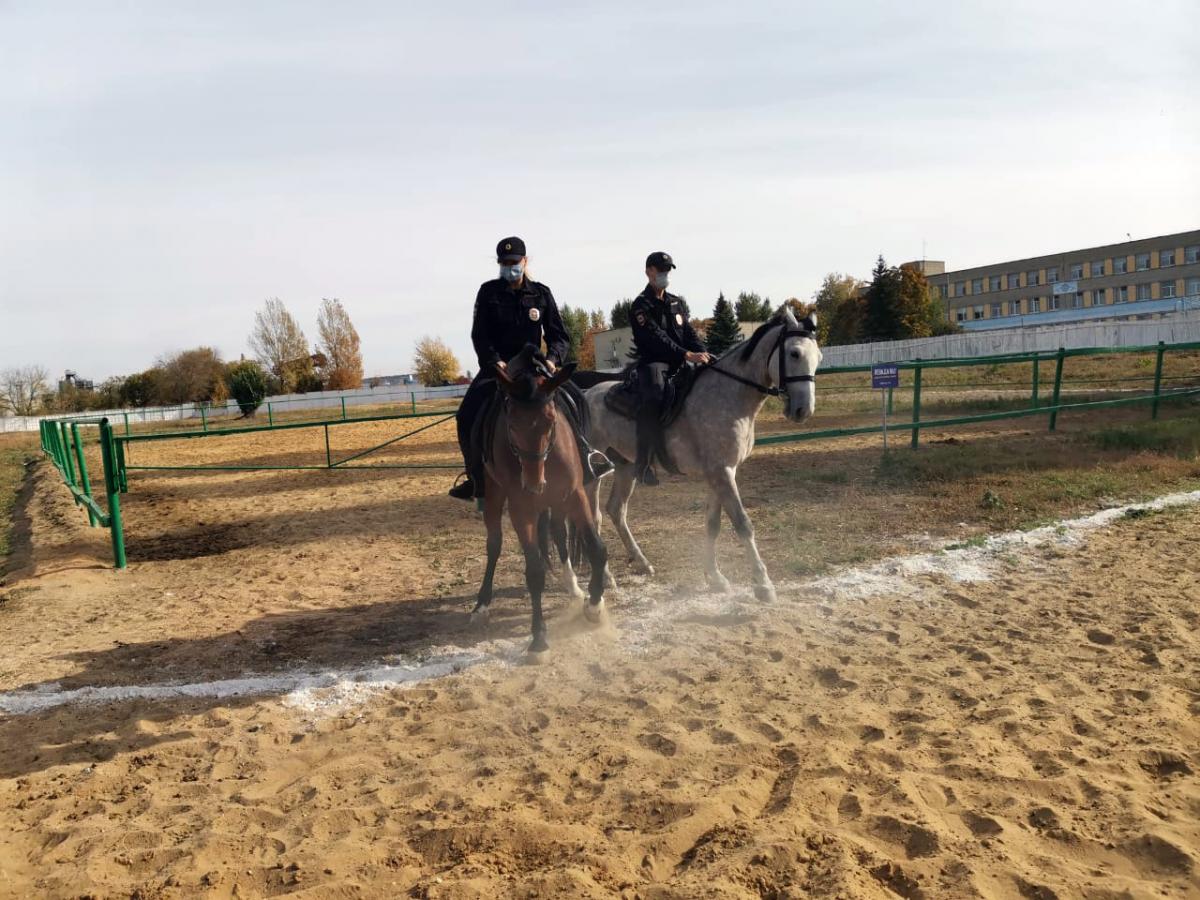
(534, 469)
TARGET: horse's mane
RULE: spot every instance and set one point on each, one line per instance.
(748, 346)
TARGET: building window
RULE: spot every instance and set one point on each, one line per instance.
(1054, 304)
(1191, 254)
(1166, 290)
(960, 315)
(1166, 258)
(1014, 308)
(1120, 265)
(1098, 297)
(1014, 281)
(1052, 274)
(1035, 304)
(1143, 291)
(977, 312)
(994, 283)
(995, 310)
(942, 291)
(1076, 270)
(976, 285)
(1031, 277)
(1077, 303)
(1122, 295)
(1142, 261)
(960, 289)
(1097, 268)
(1193, 287)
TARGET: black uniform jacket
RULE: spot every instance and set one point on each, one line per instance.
(662, 329)
(507, 319)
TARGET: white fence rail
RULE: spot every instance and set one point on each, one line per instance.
(282, 403)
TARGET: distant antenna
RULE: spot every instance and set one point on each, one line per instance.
(922, 249)
(1127, 236)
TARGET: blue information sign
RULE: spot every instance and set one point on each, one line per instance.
(885, 376)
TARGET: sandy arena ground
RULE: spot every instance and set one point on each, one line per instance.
(1015, 718)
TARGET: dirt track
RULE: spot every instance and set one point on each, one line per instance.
(873, 735)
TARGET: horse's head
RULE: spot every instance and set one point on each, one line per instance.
(793, 365)
(530, 417)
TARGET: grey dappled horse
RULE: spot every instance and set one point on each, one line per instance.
(714, 433)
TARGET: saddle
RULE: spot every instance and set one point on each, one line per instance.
(624, 401)
(624, 398)
(568, 398)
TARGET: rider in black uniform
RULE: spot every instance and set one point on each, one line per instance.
(510, 312)
(663, 340)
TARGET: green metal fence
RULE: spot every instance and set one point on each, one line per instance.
(62, 439)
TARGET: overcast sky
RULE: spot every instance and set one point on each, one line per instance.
(164, 167)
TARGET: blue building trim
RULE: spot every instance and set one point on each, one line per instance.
(1087, 314)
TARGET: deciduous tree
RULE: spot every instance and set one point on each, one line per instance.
(434, 363)
(835, 291)
(22, 389)
(192, 376)
(339, 342)
(278, 342)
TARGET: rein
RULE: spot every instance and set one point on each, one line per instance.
(784, 378)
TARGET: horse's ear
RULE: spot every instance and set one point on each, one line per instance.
(810, 321)
(790, 317)
(552, 384)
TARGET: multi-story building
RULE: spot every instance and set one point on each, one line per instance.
(1138, 278)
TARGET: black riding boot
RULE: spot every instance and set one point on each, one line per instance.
(647, 432)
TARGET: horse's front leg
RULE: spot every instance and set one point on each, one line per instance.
(618, 509)
(524, 520)
(493, 511)
(712, 528)
(580, 511)
(724, 484)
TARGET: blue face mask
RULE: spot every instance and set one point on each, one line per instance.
(661, 280)
(513, 273)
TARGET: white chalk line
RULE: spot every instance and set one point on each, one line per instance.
(329, 690)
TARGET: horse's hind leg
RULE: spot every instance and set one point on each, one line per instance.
(618, 507)
(566, 572)
(493, 510)
(712, 574)
(724, 484)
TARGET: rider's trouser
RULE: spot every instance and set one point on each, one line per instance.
(651, 384)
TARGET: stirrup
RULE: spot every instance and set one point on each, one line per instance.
(601, 466)
(464, 488)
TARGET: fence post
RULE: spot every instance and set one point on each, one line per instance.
(270, 415)
(1158, 363)
(68, 463)
(328, 457)
(343, 418)
(112, 489)
(916, 405)
(203, 420)
(412, 395)
(122, 472)
(1033, 399)
(890, 392)
(1058, 369)
(84, 481)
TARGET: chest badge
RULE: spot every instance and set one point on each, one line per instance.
(535, 314)
(678, 318)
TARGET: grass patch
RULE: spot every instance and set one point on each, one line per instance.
(1175, 437)
(12, 476)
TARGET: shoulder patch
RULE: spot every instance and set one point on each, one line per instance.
(640, 317)
(534, 314)
(678, 318)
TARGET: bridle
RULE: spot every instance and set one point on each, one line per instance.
(784, 379)
(529, 455)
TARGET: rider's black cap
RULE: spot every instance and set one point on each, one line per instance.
(660, 260)
(510, 248)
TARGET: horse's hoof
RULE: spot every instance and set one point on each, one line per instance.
(765, 592)
(480, 615)
(718, 583)
(594, 612)
(641, 567)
